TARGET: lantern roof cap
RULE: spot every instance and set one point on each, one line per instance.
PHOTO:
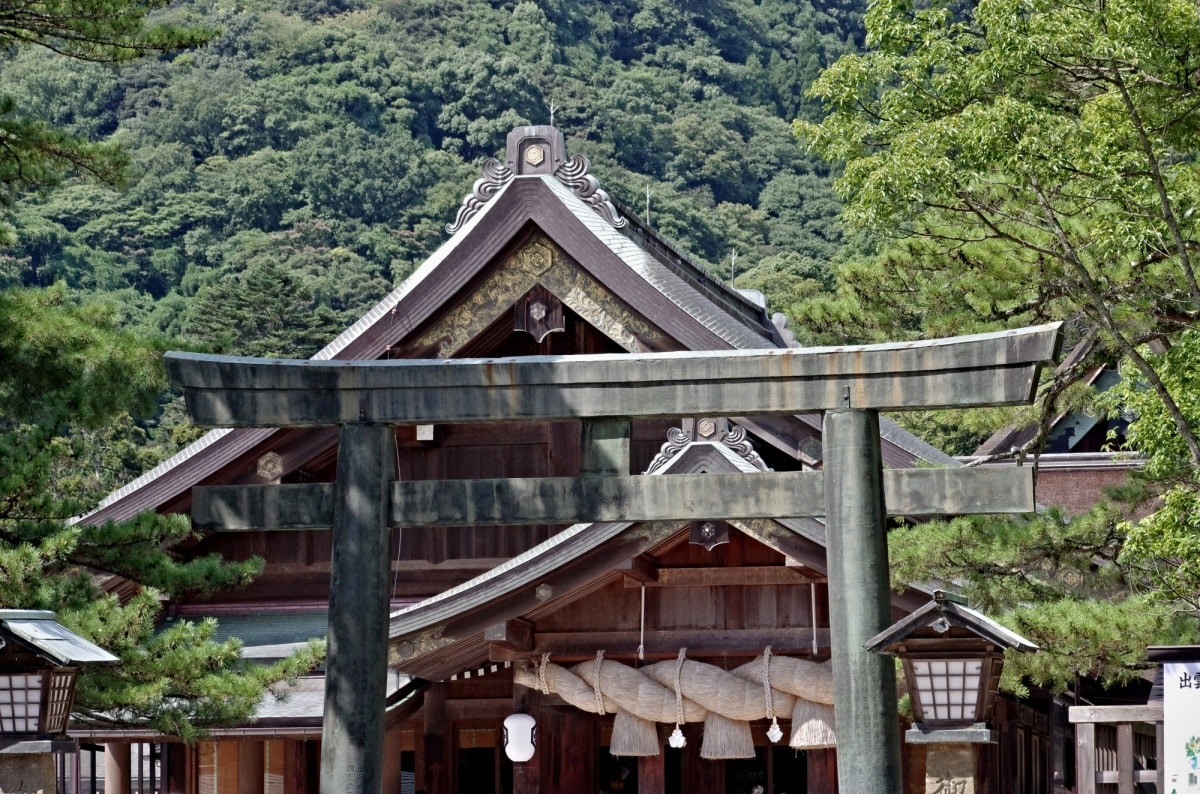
(944, 611)
(42, 633)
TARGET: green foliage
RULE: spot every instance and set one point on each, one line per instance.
(1061, 583)
(1031, 161)
(1018, 162)
(371, 119)
(65, 438)
(1165, 543)
(38, 154)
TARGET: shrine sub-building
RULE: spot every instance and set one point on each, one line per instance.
(639, 649)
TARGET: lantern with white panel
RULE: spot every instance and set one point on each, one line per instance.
(520, 737)
(952, 657)
(39, 662)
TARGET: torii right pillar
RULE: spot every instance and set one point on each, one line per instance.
(868, 751)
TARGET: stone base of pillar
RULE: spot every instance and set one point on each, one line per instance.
(950, 769)
(27, 773)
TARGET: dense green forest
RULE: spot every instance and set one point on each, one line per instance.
(248, 178)
(286, 175)
(1001, 163)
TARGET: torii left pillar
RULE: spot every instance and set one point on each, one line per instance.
(356, 672)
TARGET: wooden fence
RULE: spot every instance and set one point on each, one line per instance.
(1117, 749)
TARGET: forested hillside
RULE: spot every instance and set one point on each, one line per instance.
(286, 175)
(254, 194)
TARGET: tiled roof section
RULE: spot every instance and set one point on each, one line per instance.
(305, 698)
(427, 269)
(667, 280)
(175, 474)
(518, 572)
(897, 436)
(733, 301)
(901, 449)
(269, 627)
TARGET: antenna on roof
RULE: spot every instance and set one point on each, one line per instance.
(733, 267)
(649, 193)
(553, 107)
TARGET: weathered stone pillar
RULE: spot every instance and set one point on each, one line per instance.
(26, 773)
(868, 751)
(356, 667)
(950, 768)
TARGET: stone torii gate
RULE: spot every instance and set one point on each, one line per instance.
(854, 493)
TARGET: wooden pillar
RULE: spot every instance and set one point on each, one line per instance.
(392, 769)
(179, 764)
(251, 767)
(116, 768)
(567, 749)
(698, 775)
(437, 761)
(356, 664)
(1085, 758)
(527, 777)
(864, 683)
(822, 771)
(295, 766)
(652, 774)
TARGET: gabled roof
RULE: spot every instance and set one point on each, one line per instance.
(942, 613)
(38, 630)
(524, 225)
(445, 634)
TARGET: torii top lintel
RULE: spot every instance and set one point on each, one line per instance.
(997, 368)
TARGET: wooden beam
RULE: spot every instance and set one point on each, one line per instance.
(1149, 712)
(513, 635)
(580, 645)
(570, 500)
(984, 369)
(638, 570)
(746, 576)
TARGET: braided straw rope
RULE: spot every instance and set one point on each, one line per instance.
(665, 691)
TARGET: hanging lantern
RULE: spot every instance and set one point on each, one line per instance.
(520, 737)
(39, 661)
(952, 656)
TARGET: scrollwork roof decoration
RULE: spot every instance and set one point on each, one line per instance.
(495, 176)
(574, 174)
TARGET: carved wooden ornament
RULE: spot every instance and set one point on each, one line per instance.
(538, 313)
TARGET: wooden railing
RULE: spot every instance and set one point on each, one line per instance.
(1117, 749)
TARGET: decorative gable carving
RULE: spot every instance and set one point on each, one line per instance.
(495, 176)
(537, 151)
(538, 313)
(538, 263)
(709, 432)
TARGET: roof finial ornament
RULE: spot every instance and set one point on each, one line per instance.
(553, 107)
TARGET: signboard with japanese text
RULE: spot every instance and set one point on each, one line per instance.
(1181, 717)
